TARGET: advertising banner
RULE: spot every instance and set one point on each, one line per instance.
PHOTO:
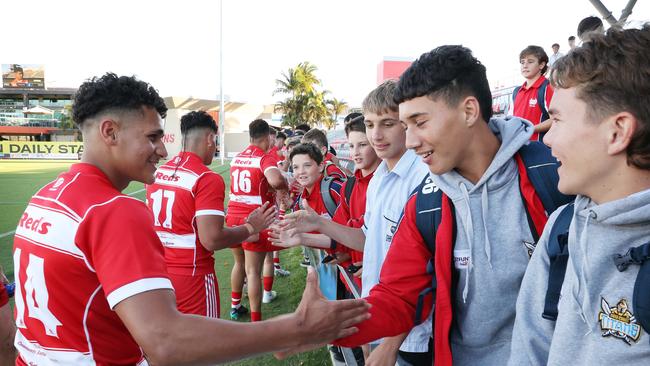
(40, 150)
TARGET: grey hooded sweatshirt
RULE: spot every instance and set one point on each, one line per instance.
(596, 323)
(491, 250)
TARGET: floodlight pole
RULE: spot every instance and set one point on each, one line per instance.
(222, 129)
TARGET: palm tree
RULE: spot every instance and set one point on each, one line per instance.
(304, 102)
(336, 107)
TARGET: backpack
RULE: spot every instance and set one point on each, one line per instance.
(326, 184)
(538, 180)
(435, 218)
(558, 252)
(541, 101)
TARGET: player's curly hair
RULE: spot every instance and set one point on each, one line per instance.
(449, 72)
(112, 92)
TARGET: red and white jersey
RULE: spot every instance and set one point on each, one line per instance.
(184, 189)
(249, 188)
(81, 247)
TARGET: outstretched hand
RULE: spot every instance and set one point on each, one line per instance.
(326, 320)
(285, 238)
(303, 221)
(261, 217)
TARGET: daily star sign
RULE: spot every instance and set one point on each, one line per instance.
(40, 150)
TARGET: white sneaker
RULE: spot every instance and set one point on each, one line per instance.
(269, 296)
(281, 272)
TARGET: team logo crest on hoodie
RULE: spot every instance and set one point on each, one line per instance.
(617, 321)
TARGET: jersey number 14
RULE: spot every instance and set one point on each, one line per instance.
(36, 294)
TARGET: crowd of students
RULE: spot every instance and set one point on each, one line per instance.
(472, 244)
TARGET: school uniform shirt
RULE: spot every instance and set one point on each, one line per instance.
(527, 106)
(596, 323)
(386, 196)
(315, 198)
(351, 214)
(81, 247)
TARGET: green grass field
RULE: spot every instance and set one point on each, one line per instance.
(21, 179)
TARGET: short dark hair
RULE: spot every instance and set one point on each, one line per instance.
(258, 128)
(450, 72)
(352, 116)
(112, 92)
(303, 127)
(281, 135)
(307, 148)
(317, 137)
(572, 38)
(610, 74)
(589, 24)
(196, 120)
(355, 125)
(538, 52)
(292, 141)
(555, 45)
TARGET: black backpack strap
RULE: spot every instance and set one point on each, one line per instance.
(515, 91)
(325, 185)
(541, 100)
(428, 215)
(641, 297)
(558, 252)
(348, 188)
(541, 168)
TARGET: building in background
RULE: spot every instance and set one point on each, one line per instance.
(392, 68)
(31, 112)
(238, 116)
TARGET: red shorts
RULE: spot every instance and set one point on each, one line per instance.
(197, 294)
(262, 245)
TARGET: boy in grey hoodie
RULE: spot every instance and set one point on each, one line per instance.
(445, 102)
(601, 135)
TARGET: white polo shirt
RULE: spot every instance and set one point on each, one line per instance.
(386, 196)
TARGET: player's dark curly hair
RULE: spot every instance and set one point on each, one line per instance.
(197, 119)
(112, 92)
(307, 148)
(450, 72)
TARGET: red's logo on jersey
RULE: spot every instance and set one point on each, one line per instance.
(242, 162)
(40, 226)
(167, 178)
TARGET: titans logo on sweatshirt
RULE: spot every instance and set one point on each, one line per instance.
(617, 321)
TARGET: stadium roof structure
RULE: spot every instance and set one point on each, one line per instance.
(50, 93)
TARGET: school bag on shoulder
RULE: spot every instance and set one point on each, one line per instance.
(558, 252)
(538, 180)
(326, 184)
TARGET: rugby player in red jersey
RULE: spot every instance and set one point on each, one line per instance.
(187, 202)
(91, 281)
